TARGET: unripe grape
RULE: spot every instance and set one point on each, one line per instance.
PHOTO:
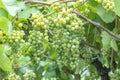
(20, 25)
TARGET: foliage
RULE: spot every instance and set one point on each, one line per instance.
(48, 40)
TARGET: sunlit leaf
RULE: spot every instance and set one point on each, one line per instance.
(26, 12)
(5, 25)
(106, 39)
(13, 6)
(117, 5)
(3, 13)
(4, 60)
(114, 45)
(106, 16)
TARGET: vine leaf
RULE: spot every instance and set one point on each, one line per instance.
(13, 6)
(5, 25)
(23, 60)
(3, 13)
(26, 12)
(114, 45)
(2, 5)
(106, 39)
(117, 5)
(106, 16)
(4, 60)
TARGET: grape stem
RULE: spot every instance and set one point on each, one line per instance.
(98, 25)
(46, 3)
(37, 2)
(23, 66)
(83, 42)
(77, 76)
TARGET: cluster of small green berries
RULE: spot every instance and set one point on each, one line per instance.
(15, 36)
(55, 6)
(66, 33)
(29, 75)
(70, 29)
(37, 40)
(14, 76)
(74, 62)
(63, 31)
(38, 21)
(107, 4)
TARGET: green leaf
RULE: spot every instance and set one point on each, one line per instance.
(63, 75)
(106, 16)
(117, 7)
(3, 13)
(114, 45)
(23, 60)
(14, 6)
(5, 25)
(92, 3)
(2, 5)
(43, 63)
(4, 60)
(106, 39)
(49, 74)
(26, 12)
(104, 60)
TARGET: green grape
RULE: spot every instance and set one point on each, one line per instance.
(36, 39)
(56, 6)
(16, 36)
(20, 25)
(13, 76)
(29, 75)
(108, 4)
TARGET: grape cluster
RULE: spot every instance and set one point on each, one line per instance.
(62, 31)
(38, 21)
(74, 62)
(107, 4)
(13, 76)
(55, 6)
(15, 36)
(29, 75)
(68, 36)
(37, 42)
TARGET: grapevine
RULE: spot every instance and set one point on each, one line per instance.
(59, 40)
